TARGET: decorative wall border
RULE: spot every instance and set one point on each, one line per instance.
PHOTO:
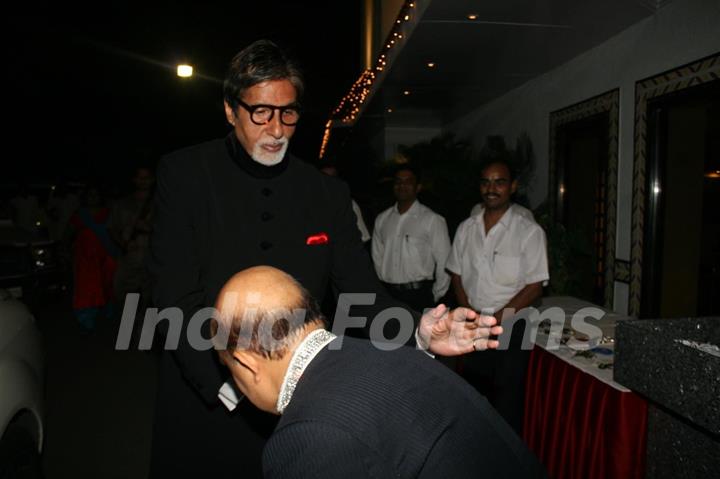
(606, 102)
(622, 271)
(692, 74)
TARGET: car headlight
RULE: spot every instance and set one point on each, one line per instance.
(42, 256)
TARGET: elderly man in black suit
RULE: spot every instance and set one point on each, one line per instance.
(350, 409)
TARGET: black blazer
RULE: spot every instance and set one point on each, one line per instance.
(213, 218)
(359, 412)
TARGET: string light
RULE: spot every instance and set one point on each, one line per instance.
(326, 138)
(351, 104)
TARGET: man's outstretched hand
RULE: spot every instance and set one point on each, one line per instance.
(460, 331)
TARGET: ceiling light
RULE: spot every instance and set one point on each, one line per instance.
(389, 110)
(472, 16)
(431, 65)
(406, 92)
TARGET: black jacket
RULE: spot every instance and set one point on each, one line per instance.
(216, 213)
(359, 412)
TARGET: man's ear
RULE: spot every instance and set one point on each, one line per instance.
(513, 186)
(229, 114)
(418, 189)
(249, 361)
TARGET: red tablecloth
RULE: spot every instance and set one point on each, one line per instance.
(579, 426)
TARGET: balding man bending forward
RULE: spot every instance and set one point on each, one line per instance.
(350, 409)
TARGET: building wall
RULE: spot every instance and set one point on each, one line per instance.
(683, 31)
(396, 136)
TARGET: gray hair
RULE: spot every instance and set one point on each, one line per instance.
(267, 332)
(261, 61)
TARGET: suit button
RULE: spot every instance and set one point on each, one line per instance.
(265, 245)
(266, 191)
(266, 216)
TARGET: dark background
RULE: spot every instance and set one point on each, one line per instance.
(91, 90)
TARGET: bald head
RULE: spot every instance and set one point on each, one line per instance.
(262, 287)
(265, 310)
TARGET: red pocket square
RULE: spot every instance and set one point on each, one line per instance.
(320, 238)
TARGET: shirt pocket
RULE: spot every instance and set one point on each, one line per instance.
(506, 269)
(418, 248)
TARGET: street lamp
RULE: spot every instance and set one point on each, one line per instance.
(184, 71)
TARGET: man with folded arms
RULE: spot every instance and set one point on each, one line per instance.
(348, 408)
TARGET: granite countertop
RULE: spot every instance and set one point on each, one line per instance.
(675, 363)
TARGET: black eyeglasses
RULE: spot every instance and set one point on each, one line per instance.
(262, 114)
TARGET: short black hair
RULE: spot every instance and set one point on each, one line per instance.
(408, 167)
(499, 161)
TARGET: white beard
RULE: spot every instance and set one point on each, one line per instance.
(269, 159)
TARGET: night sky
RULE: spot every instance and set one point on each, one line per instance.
(92, 89)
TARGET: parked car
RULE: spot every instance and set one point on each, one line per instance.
(28, 255)
(28, 262)
(21, 391)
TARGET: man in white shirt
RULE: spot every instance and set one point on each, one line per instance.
(410, 245)
(499, 261)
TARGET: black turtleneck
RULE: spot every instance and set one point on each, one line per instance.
(250, 166)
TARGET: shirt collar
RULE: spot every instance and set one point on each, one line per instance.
(411, 211)
(507, 216)
(504, 219)
(301, 359)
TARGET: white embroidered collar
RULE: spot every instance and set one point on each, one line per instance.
(303, 355)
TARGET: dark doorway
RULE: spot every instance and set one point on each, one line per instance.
(681, 264)
(582, 148)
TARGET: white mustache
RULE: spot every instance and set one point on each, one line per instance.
(280, 142)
